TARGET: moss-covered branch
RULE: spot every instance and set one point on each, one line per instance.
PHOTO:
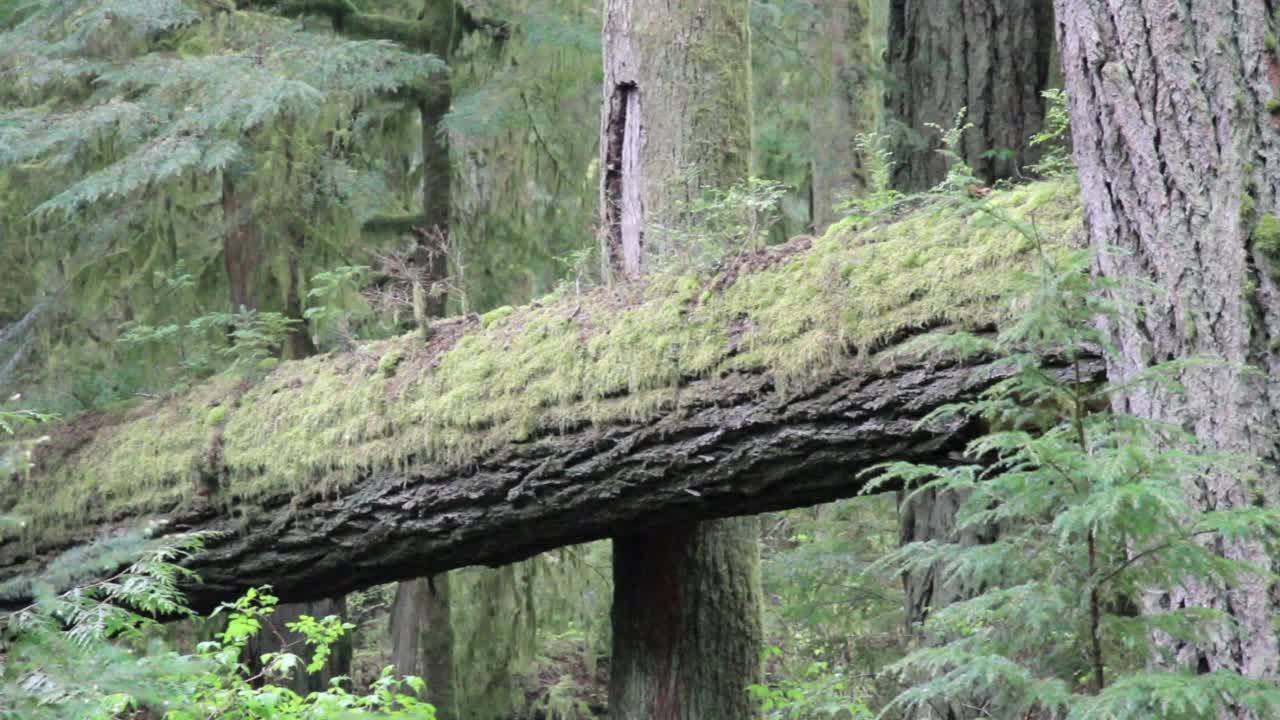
(392, 224)
(441, 25)
(562, 421)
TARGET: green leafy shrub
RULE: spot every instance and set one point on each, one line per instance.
(106, 630)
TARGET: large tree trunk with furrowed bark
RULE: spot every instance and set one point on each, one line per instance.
(992, 60)
(677, 121)
(1178, 149)
(988, 57)
(697, 583)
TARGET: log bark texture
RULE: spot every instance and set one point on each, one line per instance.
(1173, 114)
(733, 446)
(990, 57)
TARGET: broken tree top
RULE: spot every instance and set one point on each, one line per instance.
(757, 387)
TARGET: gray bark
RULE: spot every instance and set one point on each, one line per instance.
(422, 639)
(677, 119)
(930, 515)
(989, 56)
(733, 446)
(1177, 144)
(846, 103)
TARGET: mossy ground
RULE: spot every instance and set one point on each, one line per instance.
(316, 424)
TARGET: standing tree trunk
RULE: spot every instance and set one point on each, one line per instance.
(845, 103)
(686, 622)
(430, 255)
(276, 637)
(241, 252)
(1177, 140)
(677, 119)
(990, 57)
(930, 515)
(422, 639)
(421, 622)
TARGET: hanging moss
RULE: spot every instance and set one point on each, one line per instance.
(609, 355)
(1266, 238)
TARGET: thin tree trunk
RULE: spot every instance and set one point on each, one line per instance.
(298, 344)
(1178, 149)
(241, 252)
(421, 622)
(846, 103)
(677, 120)
(990, 57)
(430, 255)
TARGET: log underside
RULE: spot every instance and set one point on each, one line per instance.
(732, 447)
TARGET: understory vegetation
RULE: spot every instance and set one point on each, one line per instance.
(259, 257)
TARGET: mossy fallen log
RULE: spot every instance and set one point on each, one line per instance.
(766, 385)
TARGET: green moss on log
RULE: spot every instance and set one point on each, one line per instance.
(320, 423)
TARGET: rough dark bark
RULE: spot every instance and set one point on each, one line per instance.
(1178, 147)
(989, 56)
(276, 637)
(298, 343)
(733, 446)
(930, 515)
(685, 580)
(845, 104)
(422, 639)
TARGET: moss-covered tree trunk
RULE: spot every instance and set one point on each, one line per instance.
(1177, 140)
(430, 254)
(677, 120)
(422, 639)
(846, 102)
(421, 619)
(241, 247)
(990, 57)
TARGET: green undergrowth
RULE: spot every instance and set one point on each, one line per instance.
(316, 425)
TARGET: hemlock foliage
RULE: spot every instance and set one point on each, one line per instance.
(1092, 512)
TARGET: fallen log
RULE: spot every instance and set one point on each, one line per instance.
(769, 384)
